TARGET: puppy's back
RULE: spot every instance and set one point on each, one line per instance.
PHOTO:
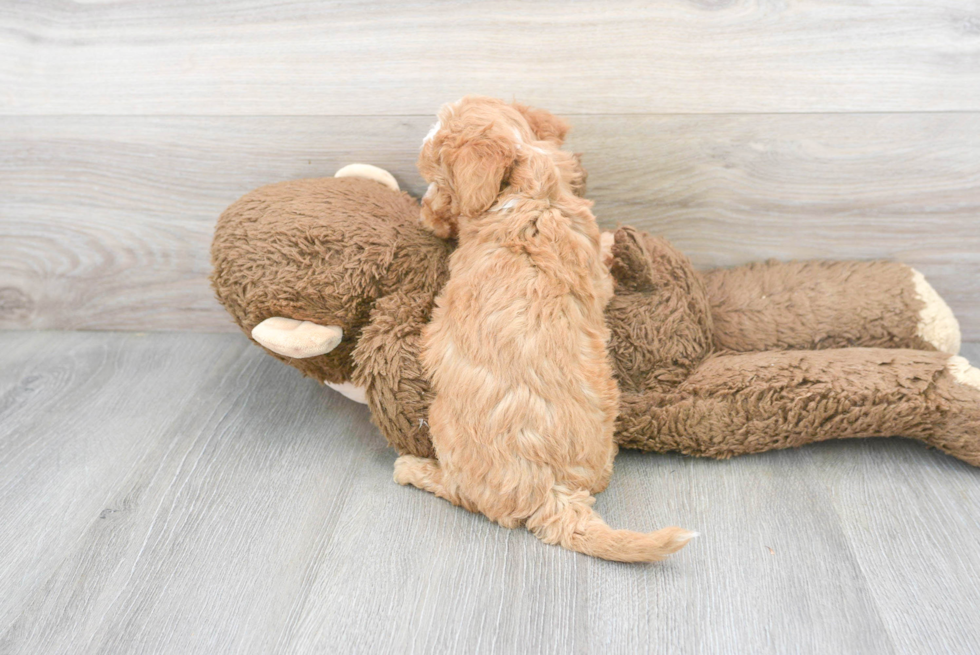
(516, 347)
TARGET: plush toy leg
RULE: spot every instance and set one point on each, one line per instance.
(603, 482)
(752, 402)
(820, 304)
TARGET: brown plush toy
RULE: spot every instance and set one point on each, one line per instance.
(335, 277)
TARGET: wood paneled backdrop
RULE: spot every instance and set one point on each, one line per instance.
(740, 130)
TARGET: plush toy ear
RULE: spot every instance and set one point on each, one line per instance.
(479, 169)
(297, 339)
(545, 125)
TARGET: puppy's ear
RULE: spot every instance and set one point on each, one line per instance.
(479, 169)
(545, 125)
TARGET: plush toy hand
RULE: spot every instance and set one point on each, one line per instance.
(389, 368)
(659, 318)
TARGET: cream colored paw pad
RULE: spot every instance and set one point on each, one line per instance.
(963, 372)
(937, 324)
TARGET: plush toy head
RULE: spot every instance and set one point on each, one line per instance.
(322, 253)
(337, 278)
(478, 148)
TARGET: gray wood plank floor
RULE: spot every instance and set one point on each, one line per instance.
(185, 493)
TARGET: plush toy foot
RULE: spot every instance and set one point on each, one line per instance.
(937, 324)
(963, 372)
(960, 436)
(297, 339)
(369, 172)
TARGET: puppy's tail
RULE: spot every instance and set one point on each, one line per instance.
(567, 519)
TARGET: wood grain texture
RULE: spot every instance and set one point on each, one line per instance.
(246, 57)
(882, 503)
(190, 494)
(106, 221)
(64, 446)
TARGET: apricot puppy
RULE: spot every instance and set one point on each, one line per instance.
(522, 421)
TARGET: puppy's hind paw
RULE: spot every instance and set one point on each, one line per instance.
(404, 466)
(422, 473)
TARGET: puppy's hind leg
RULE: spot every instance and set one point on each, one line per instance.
(423, 473)
(606, 474)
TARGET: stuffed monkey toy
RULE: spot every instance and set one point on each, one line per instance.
(336, 277)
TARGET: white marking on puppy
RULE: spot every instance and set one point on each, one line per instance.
(937, 324)
(963, 372)
(349, 390)
(430, 191)
(428, 194)
(369, 172)
(606, 242)
(507, 205)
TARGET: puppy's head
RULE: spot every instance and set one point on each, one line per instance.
(548, 127)
(543, 124)
(478, 147)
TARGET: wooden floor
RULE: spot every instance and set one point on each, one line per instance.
(185, 493)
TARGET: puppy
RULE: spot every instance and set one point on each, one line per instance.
(525, 401)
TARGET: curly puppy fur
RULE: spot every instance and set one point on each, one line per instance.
(525, 401)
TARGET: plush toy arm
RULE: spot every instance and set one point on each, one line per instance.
(388, 366)
(659, 318)
(819, 304)
(740, 403)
